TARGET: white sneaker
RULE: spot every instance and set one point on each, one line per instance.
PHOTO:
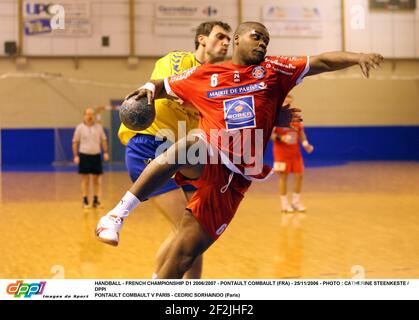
(288, 209)
(298, 206)
(107, 230)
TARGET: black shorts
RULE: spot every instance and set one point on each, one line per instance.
(90, 164)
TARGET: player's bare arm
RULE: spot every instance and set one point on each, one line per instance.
(75, 147)
(155, 89)
(332, 61)
(304, 141)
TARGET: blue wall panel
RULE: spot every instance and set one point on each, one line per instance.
(360, 143)
(364, 143)
(27, 146)
(36, 146)
(64, 146)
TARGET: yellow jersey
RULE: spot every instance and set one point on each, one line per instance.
(168, 112)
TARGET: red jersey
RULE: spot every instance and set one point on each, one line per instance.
(240, 101)
(292, 148)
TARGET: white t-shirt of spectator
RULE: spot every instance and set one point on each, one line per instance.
(89, 138)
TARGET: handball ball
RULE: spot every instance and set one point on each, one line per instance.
(138, 114)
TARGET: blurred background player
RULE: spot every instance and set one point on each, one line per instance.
(88, 139)
(288, 159)
(211, 43)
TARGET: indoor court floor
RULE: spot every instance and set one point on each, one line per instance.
(362, 221)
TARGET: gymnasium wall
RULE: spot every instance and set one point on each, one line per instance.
(346, 116)
(161, 26)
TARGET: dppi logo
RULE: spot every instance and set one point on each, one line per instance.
(27, 290)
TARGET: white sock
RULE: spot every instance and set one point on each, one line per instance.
(128, 203)
(295, 198)
(284, 202)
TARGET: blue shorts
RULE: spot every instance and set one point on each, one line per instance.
(141, 149)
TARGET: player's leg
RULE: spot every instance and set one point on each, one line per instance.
(209, 212)
(161, 169)
(195, 272)
(162, 252)
(97, 182)
(140, 151)
(283, 179)
(173, 208)
(298, 184)
(189, 242)
(281, 166)
(172, 205)
(155, 175)
(85, 189)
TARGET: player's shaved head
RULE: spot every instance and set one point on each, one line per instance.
(246, 26)
(251, 40)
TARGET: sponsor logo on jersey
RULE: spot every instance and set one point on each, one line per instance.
(237, 90)
(278, 63)
(176, 61)
(183, 75)
(258, 72)
(282, 71)
(239, 113)
(236, 76)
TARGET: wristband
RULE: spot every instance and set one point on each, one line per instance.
(149, 86)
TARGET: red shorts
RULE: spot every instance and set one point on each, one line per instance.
(212, 208)
(289, 165)
(287, 162)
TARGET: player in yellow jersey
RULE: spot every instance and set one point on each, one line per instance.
(211, 43)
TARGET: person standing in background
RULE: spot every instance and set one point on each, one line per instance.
(88, 139)
(288, 159)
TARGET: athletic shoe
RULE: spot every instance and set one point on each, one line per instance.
(108, 228)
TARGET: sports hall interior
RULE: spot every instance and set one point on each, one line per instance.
(361, 183)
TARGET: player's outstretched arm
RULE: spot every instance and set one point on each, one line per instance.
(332, 61)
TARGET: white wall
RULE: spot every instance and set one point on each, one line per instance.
(331, 26)
(393, 34)
(8, 23)
(341, 98)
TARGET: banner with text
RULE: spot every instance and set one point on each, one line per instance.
(181, 19)
(292, 21)
(60, 18)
